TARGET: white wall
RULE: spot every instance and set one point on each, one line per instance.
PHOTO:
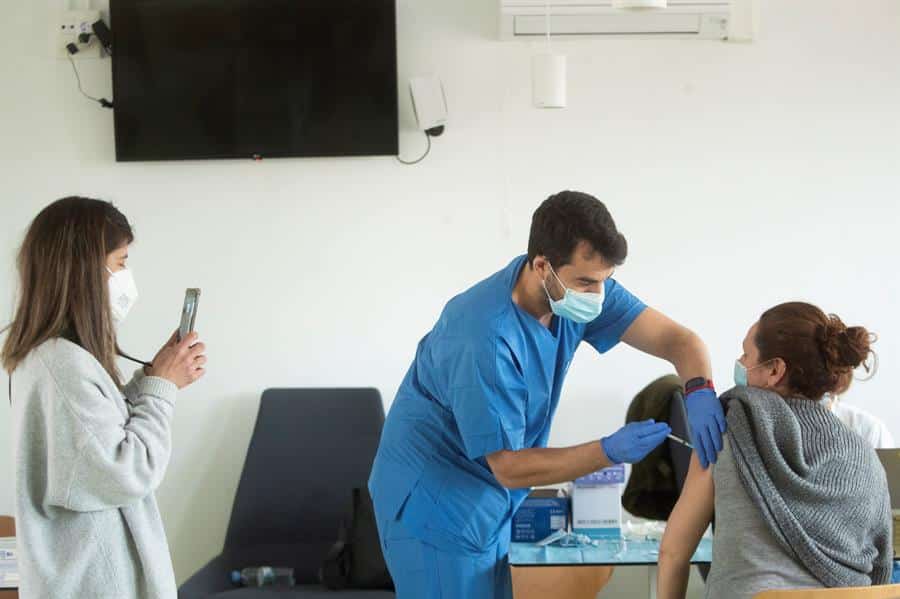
(769, 170)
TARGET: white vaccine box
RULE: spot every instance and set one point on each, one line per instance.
(597, 504)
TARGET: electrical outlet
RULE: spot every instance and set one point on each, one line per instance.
(66, 30)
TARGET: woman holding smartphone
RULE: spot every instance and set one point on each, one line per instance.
(90, 449)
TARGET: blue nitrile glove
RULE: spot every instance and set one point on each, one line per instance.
(707, 420)
(631, 443)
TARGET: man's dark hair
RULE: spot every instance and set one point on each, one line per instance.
(569, 217)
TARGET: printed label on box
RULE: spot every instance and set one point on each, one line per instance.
(607, 476)
(538, 517)
(597, 511)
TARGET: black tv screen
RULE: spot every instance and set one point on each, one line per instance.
(197, 79)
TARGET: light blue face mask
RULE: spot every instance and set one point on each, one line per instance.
(740, 373)
(579, 306)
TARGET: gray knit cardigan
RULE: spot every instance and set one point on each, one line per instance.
(819, 486)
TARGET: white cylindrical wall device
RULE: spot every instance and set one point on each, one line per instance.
(548, 80)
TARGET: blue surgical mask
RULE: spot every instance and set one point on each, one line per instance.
(578, 306)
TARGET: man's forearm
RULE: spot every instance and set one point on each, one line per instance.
(547, 466)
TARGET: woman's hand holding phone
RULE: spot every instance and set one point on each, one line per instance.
(181, 362)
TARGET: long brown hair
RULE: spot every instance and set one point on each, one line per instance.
(62, 281)
(820, 351)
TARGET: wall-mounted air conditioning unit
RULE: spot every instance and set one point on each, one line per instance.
(700, 19)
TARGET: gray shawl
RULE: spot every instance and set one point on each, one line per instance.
(819, 486)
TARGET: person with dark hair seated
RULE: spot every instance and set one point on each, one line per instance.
(801, 501)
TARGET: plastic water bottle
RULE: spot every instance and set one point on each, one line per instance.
(263, 576)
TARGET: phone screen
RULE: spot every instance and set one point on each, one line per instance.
(188, 313)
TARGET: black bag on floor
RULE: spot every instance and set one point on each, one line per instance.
(356, 560)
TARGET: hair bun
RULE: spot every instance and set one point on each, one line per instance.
(845, 347)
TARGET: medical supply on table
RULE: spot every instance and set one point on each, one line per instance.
(263, 576)
(597, 503)
(9, 569)
(564, 538)
(542, 512)
(649, 530)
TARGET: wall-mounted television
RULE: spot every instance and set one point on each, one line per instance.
(200, 79)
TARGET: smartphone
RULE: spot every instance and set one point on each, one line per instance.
(188, 312)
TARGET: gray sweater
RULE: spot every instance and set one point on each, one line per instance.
(818, 486)
(88, 461)
(747, 559)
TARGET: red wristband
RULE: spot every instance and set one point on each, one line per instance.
(698, 384)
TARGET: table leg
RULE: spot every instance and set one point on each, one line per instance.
(652, 572)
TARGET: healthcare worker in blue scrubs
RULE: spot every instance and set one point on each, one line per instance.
(466, 436)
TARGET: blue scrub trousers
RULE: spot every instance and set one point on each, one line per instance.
(421, 571)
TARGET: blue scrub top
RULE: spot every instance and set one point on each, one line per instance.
(486, 378)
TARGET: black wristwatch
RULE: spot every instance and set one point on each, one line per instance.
(698, 383)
